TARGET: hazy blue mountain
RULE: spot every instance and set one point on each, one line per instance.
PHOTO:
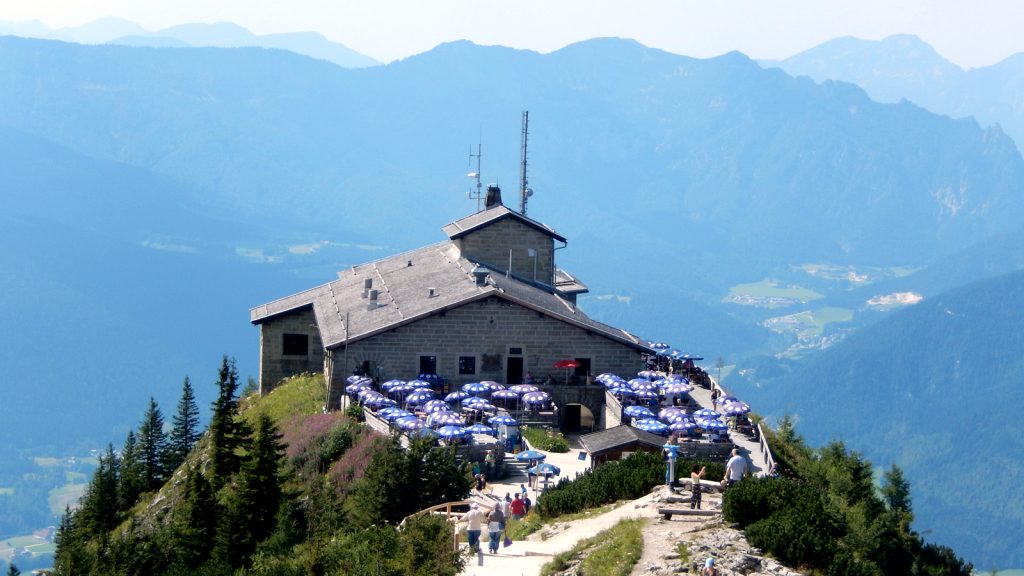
(936, 389)
(95, 32)
(904, 66)
(150, 41)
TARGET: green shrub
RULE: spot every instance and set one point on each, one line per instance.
(545, 439)
(624, 480)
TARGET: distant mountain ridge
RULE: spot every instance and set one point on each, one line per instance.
(219, 34)
(903, 66)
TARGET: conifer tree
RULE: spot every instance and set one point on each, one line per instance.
(130, 484)
(226, 432)
(99, 506)
(193, 524)
(896, 491)
(12, 570)
(185, 428)
(260, 478)
(152, 453)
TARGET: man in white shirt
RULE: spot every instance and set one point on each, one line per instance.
(736, 468)
(473, 521)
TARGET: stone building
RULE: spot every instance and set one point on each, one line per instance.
(489, 303)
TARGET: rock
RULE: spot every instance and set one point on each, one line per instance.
(672, 556)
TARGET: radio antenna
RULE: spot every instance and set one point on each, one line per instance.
(478, 193)
(524, 184)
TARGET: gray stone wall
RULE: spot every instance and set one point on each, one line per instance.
(485, 330)
(274, 365)
(491, 244)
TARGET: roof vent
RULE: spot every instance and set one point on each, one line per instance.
(431, 292)
(409, 263)
(373, 300)
(493, 197)
(480, 275)
(367, 284)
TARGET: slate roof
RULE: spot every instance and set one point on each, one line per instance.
(617, 437)
(569, 284)
(483, 218)
(403, 282)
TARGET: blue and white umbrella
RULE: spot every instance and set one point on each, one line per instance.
(649, 374)
(429, 377)
(736, 409)
(530, 455)
(677, 388)
(401, 390)
(456, 396)
(394, 413)
(480, 429)
(379, 402)
(435, 406)
(638, 412)
(410, 423)
(419, 397)
(474, 400)
(694, 357)
(668, 413)
(622, 391)
(546, 469)
(641, 385)
(651, 425)
(450, 432)
(658, 346)
(444, 419)
(705, 413)
(354, 378)
(676, 378)
(503, 420)
(648, 394)
(492, 385)
(504, 395)
(391, 384)
(713, 425)
(684, 425)
(723, 400)
(356, 387)
(367, 393)
(476, 388)
(536, 397)
(481, 407)
(421, 383)
(523, 388)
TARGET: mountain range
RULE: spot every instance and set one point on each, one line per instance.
(158, 193)
(904, 67)
(195, 35)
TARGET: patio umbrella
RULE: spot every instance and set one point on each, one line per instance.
(391, 384)
(694, 357)
(435, 406)
(429, 378)
(638, 412)
(419, 397)
(723, 400)
(379, 402)
(705, 413)
(676, 378)
(713, 425)
(480, 429)
(677, 388)
(682, 425)
(394, 413)
(481, 406)
(649, 374)
(622, 391)
(472, 400)
(647, 394)
(641, 385)
(356, 387)
(476, 388)
(536, 397)
(546, 469)
(737, 409)
(456, 396)
(658, 346)
(421, 383)
(530, 455)
(504, 395)
(367, 393)
(410, 423)
(523, 388)
(503, 420)
(444, 419)
(401, 389)
(450, 432)
(353, 378)
(678, 416)
(492, 385)
(567, 364)
(651, 425)
(666, 413)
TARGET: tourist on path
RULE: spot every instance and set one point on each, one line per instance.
(735, 469)
(709, 568)
(517, 509)
(495, 525)
(695, 475)
(474, 519)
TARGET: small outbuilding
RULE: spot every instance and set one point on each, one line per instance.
(617, 442)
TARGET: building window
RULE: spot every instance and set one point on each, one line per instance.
(515, 351)
(467, 364)
(428, 364)
(295, 345)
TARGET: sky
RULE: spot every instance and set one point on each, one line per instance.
(970, 33)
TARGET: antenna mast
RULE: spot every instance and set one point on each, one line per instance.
(524, 188)
(477, 194)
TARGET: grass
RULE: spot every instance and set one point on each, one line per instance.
(520, 529)
(684, 553)
(769, 294)
(809, 323)
(545, 439)
(64, 496)
(299, 395)
(613, 552)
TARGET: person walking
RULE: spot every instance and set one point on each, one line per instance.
(709, 568)
(695, 476)
(517, 508)
(495, 525)
(474, 519)
(736, 468)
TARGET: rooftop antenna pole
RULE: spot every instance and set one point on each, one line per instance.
(524, 188)
(478, 194)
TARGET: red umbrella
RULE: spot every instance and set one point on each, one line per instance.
(567, 364)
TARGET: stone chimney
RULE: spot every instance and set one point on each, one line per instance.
(493, 197)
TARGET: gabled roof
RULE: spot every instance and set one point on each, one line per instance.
(491, 215)
(568, 284)
(620, 436)
(403, 283)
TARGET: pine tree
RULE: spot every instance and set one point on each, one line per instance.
(12, 570)
(260, 478)
(896, 491)
(226, 432)
(185, 428)
(193, 524)
(130, 484)
(152, 453)
(99, 505)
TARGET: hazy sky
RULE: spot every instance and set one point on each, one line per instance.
(968, 32)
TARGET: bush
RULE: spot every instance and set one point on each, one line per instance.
(545, 439)
(624, 480)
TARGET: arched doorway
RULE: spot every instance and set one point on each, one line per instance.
(577, 418)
